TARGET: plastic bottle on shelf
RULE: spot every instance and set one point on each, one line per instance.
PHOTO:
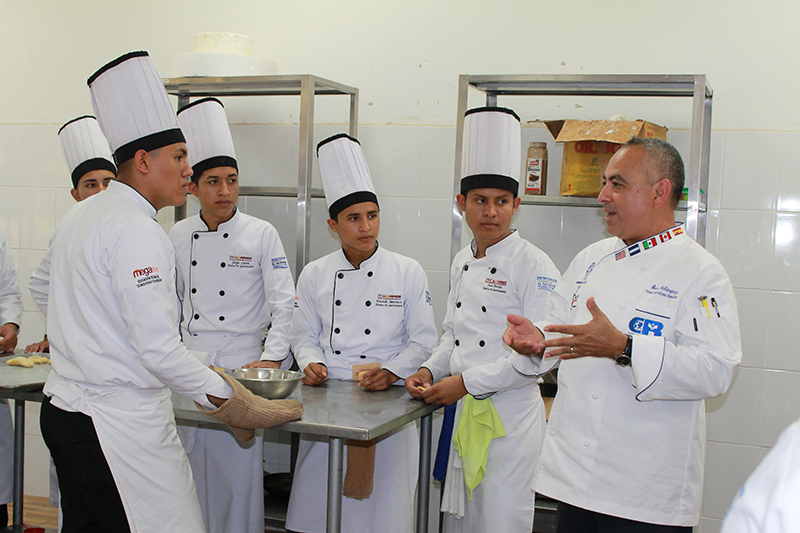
(536, 169)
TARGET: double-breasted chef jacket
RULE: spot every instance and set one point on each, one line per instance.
(10, 312)
(233, 282)
(516, 277)
(379, 312)
(114, 345)
(768, 501)
(630, 441)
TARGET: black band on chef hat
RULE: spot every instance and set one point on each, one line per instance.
(111, 64)
(351, 199)
(495, 109)
(148, 143)
(213, 162)
(333, 138)
(489, 181)
(196, 102)
(76, 119)
(98, 163)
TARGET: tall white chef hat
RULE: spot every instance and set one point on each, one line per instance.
(132, 106)
(491, 151)
(345, 173)
(208, 136)
(85, 148)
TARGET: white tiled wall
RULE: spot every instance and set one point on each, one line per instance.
(753, 227)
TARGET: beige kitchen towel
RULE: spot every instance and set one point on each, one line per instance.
(244, 411)
(360, 471)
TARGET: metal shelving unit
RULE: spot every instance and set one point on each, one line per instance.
(683, 86)
(307, 87)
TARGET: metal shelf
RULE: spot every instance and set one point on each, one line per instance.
(695, 86)
(588, 85)
(306, 86)
(277, 192)
(202, 86)
(577, 201)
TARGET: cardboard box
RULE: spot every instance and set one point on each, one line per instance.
(589, 144)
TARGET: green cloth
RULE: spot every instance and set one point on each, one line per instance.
(478, 426)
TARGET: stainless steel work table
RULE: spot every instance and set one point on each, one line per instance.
(336, 409)
(20, 384)
(342, 410)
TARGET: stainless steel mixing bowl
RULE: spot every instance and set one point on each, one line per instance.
(270, 383)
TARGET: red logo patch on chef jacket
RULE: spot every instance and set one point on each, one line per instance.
(145, 276)
(389, 300)
(146, 271)
(495, 285)
(240, 261)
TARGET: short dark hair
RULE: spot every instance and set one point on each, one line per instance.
(663, 161)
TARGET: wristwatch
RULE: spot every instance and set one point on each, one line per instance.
(625, 358)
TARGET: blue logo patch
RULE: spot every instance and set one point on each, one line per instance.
(545, 284)
(428, 297)
(644, 326)
(279, 262)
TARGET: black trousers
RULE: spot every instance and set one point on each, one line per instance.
(90, 501)
(576, 520)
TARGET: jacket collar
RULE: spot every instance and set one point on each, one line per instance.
(498, 247)
(123, 189)
(366, 262)
(227, 225)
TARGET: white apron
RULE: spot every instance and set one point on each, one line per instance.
(228, 474)
(393, 493)
(156, 489)
(513, 277)
(498, 503)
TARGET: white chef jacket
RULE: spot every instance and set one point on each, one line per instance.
(39, 284)
(114, 347)
(513, 277)
(10, 312)
(10, 296)
(769, 501)
(232, 283)
(379, 312)
(630, 442)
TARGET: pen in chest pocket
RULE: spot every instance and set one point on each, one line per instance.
(704, 302)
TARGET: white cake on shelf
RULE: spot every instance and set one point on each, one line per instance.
(221, 54)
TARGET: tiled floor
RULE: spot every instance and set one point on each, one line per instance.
(37, 511)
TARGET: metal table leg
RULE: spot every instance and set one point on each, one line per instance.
(19, 459)
(423, 492)
(335, 468)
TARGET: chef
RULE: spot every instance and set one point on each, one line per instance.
(768, 500)
(363, 313)
(10, 315)
(89, 161)
(498, 273)
(647, 326)
(112, 321)
(233, 280)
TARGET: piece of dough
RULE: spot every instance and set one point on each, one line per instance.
(39, 359)
(20, 361)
